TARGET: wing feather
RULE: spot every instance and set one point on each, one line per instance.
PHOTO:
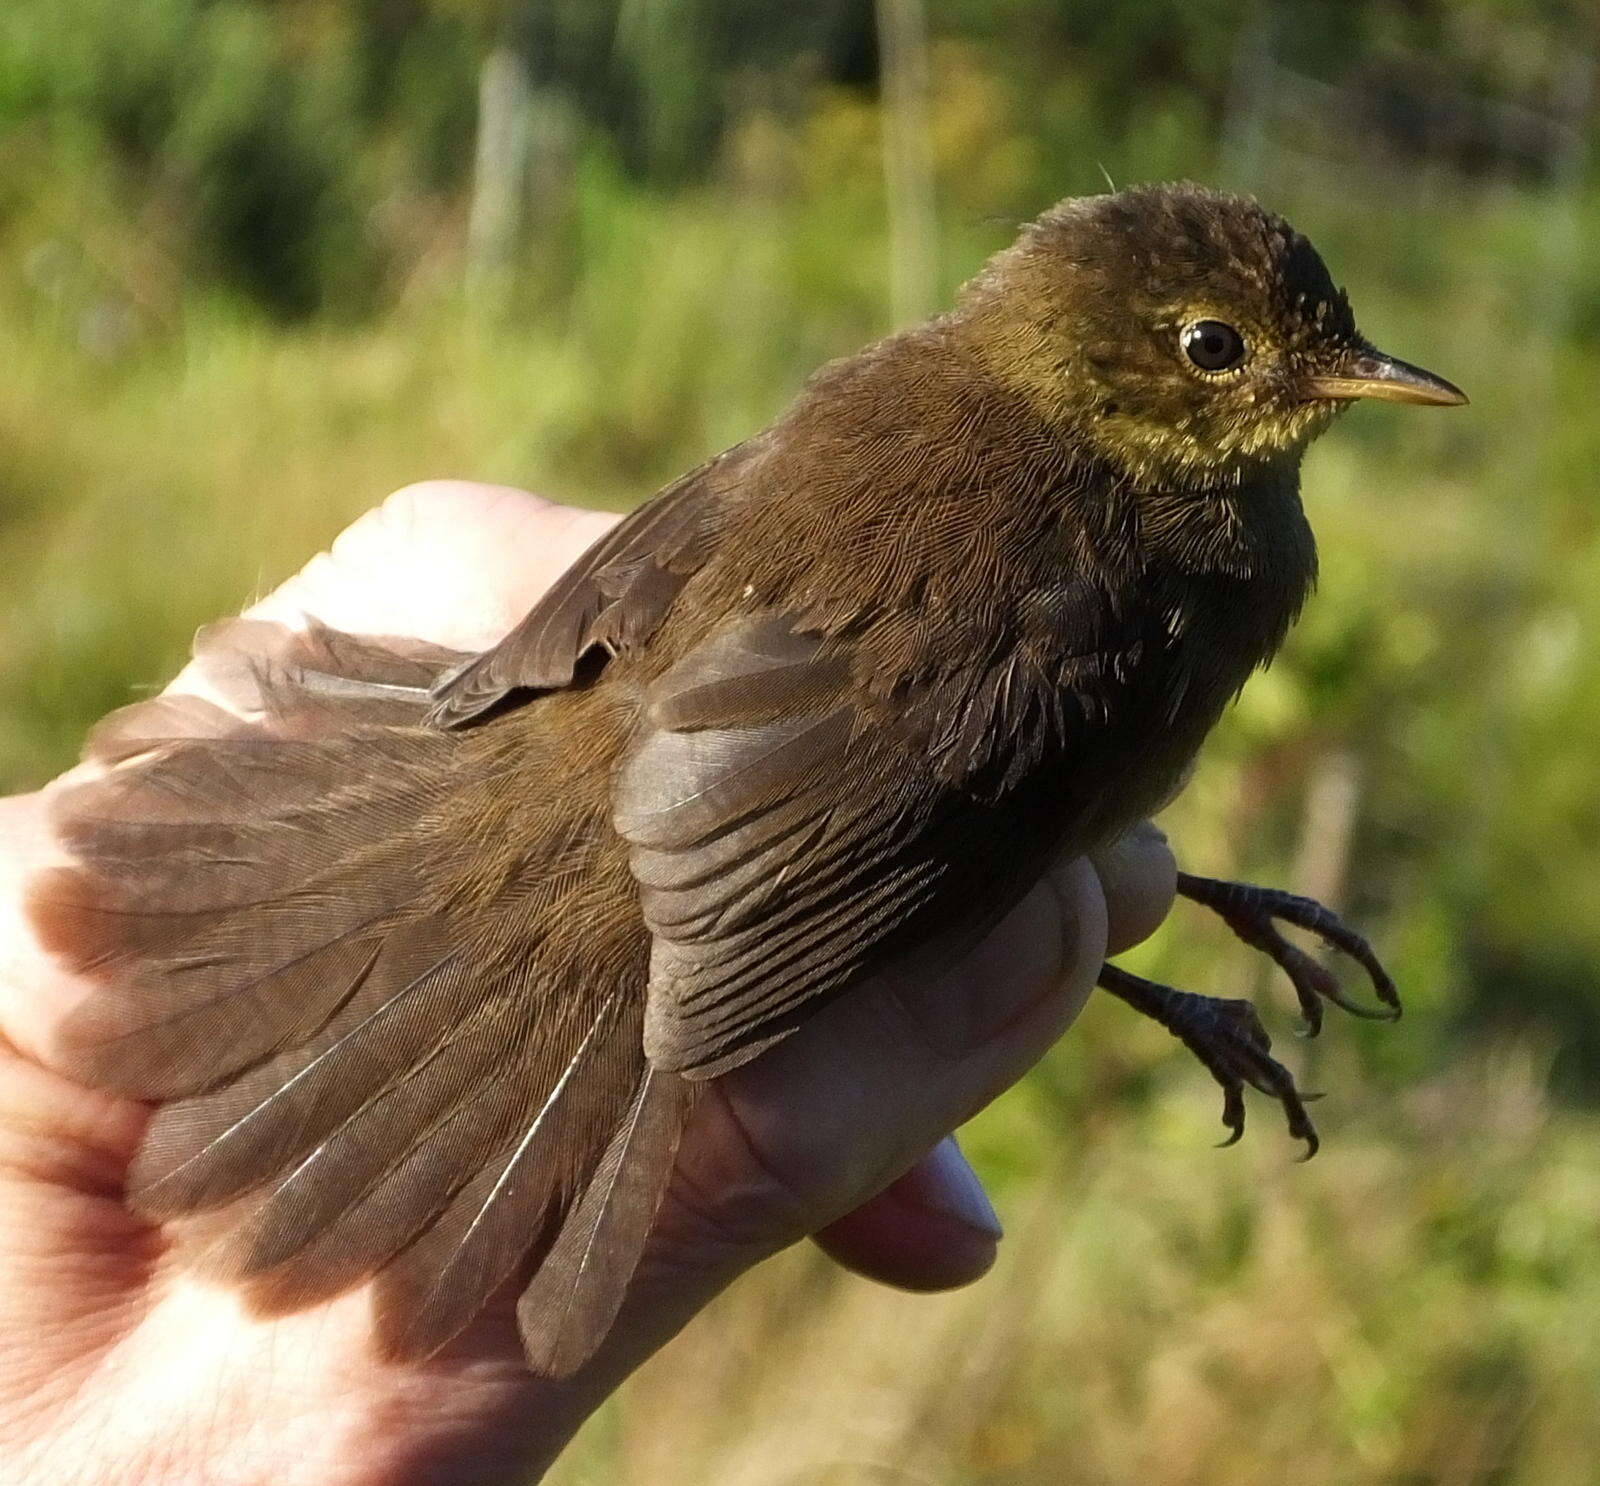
(794, 808)
(571, 1302)
(481, 1238)
(611, 599)
(362, 1075)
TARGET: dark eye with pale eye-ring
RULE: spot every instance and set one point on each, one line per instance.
(1212, 345)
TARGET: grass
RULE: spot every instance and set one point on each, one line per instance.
(1414, 1306)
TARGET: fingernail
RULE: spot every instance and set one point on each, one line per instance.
(943, 1184)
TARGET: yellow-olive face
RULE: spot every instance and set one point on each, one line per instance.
(1190, 335)
(1235, 368)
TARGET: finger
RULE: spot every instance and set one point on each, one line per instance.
(935, 1228)
(1140, 878)
(448, 561)
(932, 1229)
(811, 1129)
(33, 987)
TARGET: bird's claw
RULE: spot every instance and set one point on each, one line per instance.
(1253, 914)
(1228, 1038)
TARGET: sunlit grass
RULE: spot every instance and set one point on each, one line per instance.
(1414, 1305)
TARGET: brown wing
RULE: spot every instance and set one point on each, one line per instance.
(354, 1082)
(610, 600)
(783, 839)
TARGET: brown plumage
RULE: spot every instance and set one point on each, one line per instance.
(426, 960)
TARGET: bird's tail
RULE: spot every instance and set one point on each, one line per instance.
(372, 1061)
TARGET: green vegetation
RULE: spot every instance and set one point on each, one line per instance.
(233, 244)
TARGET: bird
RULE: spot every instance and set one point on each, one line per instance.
(425, 959)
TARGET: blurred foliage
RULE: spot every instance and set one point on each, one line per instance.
(233, 244)
(1411, 1307)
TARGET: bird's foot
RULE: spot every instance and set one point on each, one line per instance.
(1229, 1039)
(1253, 914)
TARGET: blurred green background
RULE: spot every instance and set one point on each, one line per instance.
(263, 260)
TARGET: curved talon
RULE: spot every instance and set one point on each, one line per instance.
(1232, 1114)
(1314, 918)
(1313, 983)
(1300, 1126)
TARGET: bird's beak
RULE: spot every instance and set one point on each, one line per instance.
(1370, 373)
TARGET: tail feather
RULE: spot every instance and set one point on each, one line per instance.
(573, 1299)
(364, 1075)
(481, 1239)
(204, 1151)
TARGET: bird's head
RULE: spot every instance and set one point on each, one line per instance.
(1188, 336)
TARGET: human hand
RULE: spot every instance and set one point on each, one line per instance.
(118, 1367)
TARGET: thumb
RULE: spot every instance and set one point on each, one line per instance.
(793, 1141)
(934, 1228)
(808, 1132)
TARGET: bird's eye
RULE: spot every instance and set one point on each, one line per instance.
(1212, 346)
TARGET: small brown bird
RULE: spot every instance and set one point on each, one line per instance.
(426, 960)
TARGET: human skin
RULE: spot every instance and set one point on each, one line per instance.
(118, 1368)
